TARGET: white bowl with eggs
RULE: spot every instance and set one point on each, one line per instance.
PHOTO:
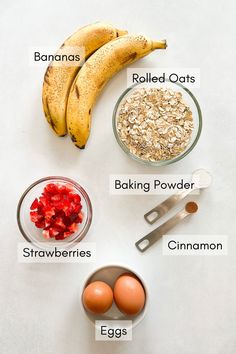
(109, 275)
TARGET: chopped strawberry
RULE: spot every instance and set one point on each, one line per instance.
(77, 208)
(69, 187)
(49, 212)
(60, 237)
(46, 234)
(56, 198)
(48, 223)
(53, 232)
(76, 199)
(51, 188)
(79, 218)
(60, 224)
(62, 190)
(43, 200)
(73, 227)
(35, 204)
(40, 224)
(72, 217)
(34, 216)
(67, 234)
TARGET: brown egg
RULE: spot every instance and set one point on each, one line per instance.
(97, 297)
(129, 294)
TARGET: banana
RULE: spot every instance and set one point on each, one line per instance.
(58, 79)
(93, 76)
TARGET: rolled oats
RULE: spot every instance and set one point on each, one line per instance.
(155, 124)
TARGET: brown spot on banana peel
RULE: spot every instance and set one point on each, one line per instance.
(100, 86)
(129, 58)
(73, 138)
(46, 79)
(77, 91)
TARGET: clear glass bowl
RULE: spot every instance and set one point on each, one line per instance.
(31, 233)
(188, 98)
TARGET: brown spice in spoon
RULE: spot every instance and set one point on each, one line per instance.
(191, 207)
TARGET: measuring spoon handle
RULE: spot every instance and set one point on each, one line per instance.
(147, 241)
(165, 206)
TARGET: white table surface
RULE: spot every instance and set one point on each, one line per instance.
(192, 299)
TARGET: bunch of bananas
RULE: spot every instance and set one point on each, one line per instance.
(70, 92)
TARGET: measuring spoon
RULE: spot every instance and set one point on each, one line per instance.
(147, 241)
(201, 179)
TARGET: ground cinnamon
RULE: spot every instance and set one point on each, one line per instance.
(191, 207)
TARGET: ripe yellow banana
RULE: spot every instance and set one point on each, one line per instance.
(58, 79)
(93, 76)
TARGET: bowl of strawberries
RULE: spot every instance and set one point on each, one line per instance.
(54, 210)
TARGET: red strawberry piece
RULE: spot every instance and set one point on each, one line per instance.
(46, 234)
(53, 232)
(58, 229)
(47, 223)
(67, 221)
(73, 227)
(73, 217)
(43, 200)
(34, 216)
(67, 234)
(66, 209)
(49, 212)
(60, 236)
(77, 208)
(59, 223)
(65, 197)
(62, 189)
(51, 188)
(40, 208)
(35, 204)
(40, 224)
(60, 213)
(79, 219)
(71, 197)
(76, 199)
(69, 187)
(56, 198)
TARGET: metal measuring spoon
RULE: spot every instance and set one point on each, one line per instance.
(201, 179)
(147, 241)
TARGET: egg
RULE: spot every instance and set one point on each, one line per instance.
(97, 297)
(129, 294)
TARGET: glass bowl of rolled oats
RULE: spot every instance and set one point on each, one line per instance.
(157, 124)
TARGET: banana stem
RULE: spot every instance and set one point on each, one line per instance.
(159, 44)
